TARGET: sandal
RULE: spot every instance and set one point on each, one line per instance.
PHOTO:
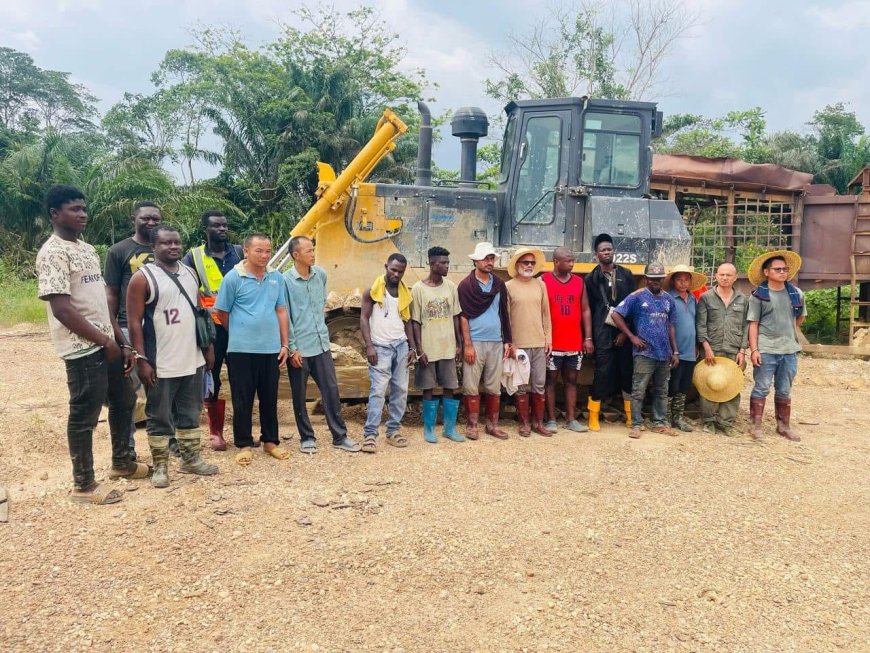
(134, 470)
(665, 430)
(277, 452)
(397, 440)
(98, 495)
(369, 444)
(308, 446)
(244, 457)
(634, 433)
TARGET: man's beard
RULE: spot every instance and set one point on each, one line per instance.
(526, 273)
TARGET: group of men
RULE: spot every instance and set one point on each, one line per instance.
(137, 323)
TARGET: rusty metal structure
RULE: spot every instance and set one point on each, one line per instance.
(735, 210)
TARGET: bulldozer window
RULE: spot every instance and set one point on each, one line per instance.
(611, 150)
(539, 154)
(507, 149)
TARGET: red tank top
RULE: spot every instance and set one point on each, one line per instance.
(566, 311)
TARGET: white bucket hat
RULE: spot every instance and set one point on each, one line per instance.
(481, 251)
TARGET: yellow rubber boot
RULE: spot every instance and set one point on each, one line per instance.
(594, 410)
(626, 403)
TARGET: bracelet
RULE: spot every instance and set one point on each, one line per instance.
(285, 347)
(753, 351)
(127, 347)
(585, 339)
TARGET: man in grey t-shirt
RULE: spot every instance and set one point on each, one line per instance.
(776, 310)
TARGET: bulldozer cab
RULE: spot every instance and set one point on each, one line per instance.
(558, 154)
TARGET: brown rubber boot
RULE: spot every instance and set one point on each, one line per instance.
(539, 402)
(472, 409)
(215, 410)
(756, 410)
(522, 401)
(782, 407)
(490, 412)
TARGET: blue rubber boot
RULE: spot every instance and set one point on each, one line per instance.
(451, 409)
(430, 415)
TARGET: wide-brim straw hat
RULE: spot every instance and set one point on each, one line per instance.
(540, 259)
(699, 279)
(756, 274)
(720, 382)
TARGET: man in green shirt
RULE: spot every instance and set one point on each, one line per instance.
(720, 325)
(309, 348)
(776, 310)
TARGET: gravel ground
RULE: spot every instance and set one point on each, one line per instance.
(573, 543)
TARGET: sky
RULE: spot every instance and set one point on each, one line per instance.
(790, 57)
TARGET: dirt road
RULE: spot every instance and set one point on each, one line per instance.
(573, 543)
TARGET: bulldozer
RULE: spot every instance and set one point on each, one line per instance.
(571, 168)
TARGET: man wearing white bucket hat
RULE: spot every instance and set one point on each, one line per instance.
(720, 323)
(486, 332)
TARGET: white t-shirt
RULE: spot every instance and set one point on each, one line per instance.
(72, 267)
(386, 323)
(170, 326)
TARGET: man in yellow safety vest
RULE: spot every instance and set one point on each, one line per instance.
(211, 262)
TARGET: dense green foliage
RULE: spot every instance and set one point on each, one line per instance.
(314, 93)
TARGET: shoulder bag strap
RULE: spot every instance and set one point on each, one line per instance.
(175, 280)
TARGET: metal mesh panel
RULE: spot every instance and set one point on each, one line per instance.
(758, 225)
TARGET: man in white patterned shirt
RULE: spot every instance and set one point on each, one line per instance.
(71, 283)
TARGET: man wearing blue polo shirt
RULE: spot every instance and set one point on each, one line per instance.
(251, 305)
(309, 348)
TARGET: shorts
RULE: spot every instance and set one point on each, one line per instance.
(441, 373)
(559, 360)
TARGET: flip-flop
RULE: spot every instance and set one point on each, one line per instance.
(99, 496)
(278, 453)
(244, 457)
(135, 470)
(664, 430)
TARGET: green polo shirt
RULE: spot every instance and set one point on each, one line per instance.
(306, 299)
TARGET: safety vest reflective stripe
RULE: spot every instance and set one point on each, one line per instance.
(207, 270)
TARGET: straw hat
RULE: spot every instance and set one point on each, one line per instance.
(540, 259)
(792, 260)
(481, 251)
(720, 382)
(699, 279)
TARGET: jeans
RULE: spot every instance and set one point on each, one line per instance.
(174, 403)
(779, 369)
(322, 370)
(646, 370)
(391, 373)
(681, 378)
(91, 381)
(253, 375)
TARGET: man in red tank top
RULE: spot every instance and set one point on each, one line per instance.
(572, 335)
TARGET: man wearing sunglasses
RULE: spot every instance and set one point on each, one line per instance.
(776, 311)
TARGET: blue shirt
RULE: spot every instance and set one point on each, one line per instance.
(685, 325)
(251, 304)
(306, 299)
(651, 315)
(486, 327)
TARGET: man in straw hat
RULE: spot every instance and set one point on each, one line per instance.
(721, 329)
(681, 283)
(653, 314)
(486, 332)
(529, 309)
(776, 311)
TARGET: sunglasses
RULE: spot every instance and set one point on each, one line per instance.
(532, 262)
(778, 269)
